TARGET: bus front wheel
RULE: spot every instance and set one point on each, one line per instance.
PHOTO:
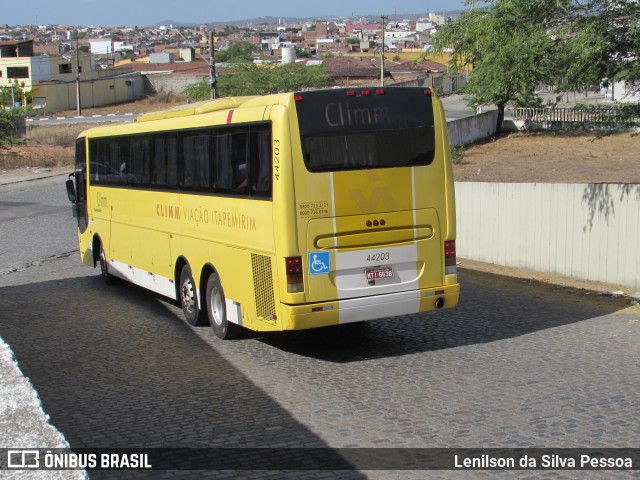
(189, 299)
(104, 267)
(217, 310)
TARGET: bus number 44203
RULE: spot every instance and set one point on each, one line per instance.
(378, 257)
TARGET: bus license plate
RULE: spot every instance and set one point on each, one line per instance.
(378, 273)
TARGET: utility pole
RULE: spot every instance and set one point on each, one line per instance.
(382, 53)
(212, 67)
(78, 70)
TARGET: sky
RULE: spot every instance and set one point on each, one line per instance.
(142, 13)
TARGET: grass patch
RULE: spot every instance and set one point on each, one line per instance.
(457, 155)
(56, 136)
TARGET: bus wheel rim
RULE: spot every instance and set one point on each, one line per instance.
(103, 262)
(188, 297)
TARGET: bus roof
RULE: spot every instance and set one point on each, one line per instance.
(198, 108)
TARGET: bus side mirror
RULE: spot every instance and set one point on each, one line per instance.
(71, 191)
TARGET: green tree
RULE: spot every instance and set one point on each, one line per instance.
(13, 93)
(510, 46)
(252, 79)
(603, 43)
(506, 47)
(237, 53)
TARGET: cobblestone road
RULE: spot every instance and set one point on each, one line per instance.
(516, 365)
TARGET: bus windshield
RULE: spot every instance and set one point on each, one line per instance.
(380, 128)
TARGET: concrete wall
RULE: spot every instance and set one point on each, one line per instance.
(93, 93)
(168, 83)
(588, 231)
(469, 129)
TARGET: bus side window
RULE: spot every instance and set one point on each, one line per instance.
(239, 160)
(223, 176)
(261, 161)
(196, 162)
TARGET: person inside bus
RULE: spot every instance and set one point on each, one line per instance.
(241, 179)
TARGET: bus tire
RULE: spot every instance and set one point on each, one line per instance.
(189, 299)
(217, 310)
(104, 267)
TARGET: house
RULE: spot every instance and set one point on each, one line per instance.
(50, 82)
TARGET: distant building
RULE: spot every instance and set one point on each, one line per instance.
(101, 46)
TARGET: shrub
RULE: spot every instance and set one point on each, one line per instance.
(10, 125)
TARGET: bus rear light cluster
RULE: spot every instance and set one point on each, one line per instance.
(295, 281)
(365, 92)
(450, 256)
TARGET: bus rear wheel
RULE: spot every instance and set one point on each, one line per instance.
(217, 310)
(189, 299)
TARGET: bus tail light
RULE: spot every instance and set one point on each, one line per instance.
(295, 282)
(450, 257)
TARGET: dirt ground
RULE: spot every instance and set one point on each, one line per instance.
(552, 158)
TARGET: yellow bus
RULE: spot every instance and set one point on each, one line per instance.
(279, 212)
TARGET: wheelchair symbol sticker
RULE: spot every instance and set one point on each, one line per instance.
(319, 263)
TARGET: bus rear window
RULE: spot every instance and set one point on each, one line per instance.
(348, 130)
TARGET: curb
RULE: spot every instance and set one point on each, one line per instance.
(12, 177)
(44, 119)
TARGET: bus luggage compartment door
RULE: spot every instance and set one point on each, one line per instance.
(358, 256)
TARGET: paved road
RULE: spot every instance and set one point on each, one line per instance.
(517, 364)
(69, 120)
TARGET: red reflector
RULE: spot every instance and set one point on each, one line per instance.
(439, 292)
(294, 265)
(351, 93)
(382, 222)
(298, 98)
(366, 92)
(369, 223)
(450, 249)
(379, 91)
(427, 91)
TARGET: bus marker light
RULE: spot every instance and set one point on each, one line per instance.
(298, 98)
(379, 91)
(366, 93)
(326, 308)
(427, 91)
(351, 93)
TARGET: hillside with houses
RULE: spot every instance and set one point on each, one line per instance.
(47, 67)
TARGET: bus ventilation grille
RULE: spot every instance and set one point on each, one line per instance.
(263, 287)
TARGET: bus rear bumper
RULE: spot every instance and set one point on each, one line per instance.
(299, 317)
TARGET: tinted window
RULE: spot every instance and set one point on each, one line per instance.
(348, 129)
(233, 160)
